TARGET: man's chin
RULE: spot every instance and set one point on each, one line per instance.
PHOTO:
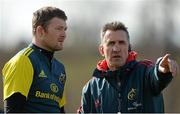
(117, 63)
(58, 49)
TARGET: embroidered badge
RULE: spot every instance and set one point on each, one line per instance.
(54, 87)
(132, 94)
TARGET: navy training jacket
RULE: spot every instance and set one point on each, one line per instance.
(135, 87)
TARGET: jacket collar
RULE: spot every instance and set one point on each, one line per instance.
(47, 53)
(102, 65)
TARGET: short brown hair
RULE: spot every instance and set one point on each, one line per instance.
(42, 16)
(116, 25)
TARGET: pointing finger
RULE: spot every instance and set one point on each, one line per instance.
(166, 57)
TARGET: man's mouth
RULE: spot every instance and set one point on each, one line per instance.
(116, 56)
(61, 41)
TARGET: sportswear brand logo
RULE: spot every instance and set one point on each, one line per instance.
(42, 74)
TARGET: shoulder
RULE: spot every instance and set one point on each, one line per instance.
(20, 57)
(19, 61)
(88, 86)
(146, 63)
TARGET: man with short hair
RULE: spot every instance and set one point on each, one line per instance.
(120, 83)
(33, 79)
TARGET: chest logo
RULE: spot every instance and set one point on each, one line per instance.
(42, 74)
(62, 78)
(132, 94)
(54, 88)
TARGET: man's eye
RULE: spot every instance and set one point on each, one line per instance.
(58, 28)
(111, 43)
(61, 28)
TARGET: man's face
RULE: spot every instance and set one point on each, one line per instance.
(115, 48)
(55, 34)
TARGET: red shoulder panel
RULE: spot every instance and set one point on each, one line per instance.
(146, 62)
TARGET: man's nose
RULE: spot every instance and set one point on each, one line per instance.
(63, 34)
(116, 47)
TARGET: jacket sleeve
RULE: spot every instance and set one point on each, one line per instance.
(14, 103)
(157, 80)
(87, 105)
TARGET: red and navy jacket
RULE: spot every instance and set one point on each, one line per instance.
(135, 87)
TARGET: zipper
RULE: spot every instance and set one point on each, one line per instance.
(119, 94)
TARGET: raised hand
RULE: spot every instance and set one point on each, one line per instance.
(167, 65)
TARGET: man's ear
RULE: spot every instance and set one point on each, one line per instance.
(101, 50)
(40, 31)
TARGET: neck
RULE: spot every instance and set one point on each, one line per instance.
(37, 43)
(113, 68)
(47, 53)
